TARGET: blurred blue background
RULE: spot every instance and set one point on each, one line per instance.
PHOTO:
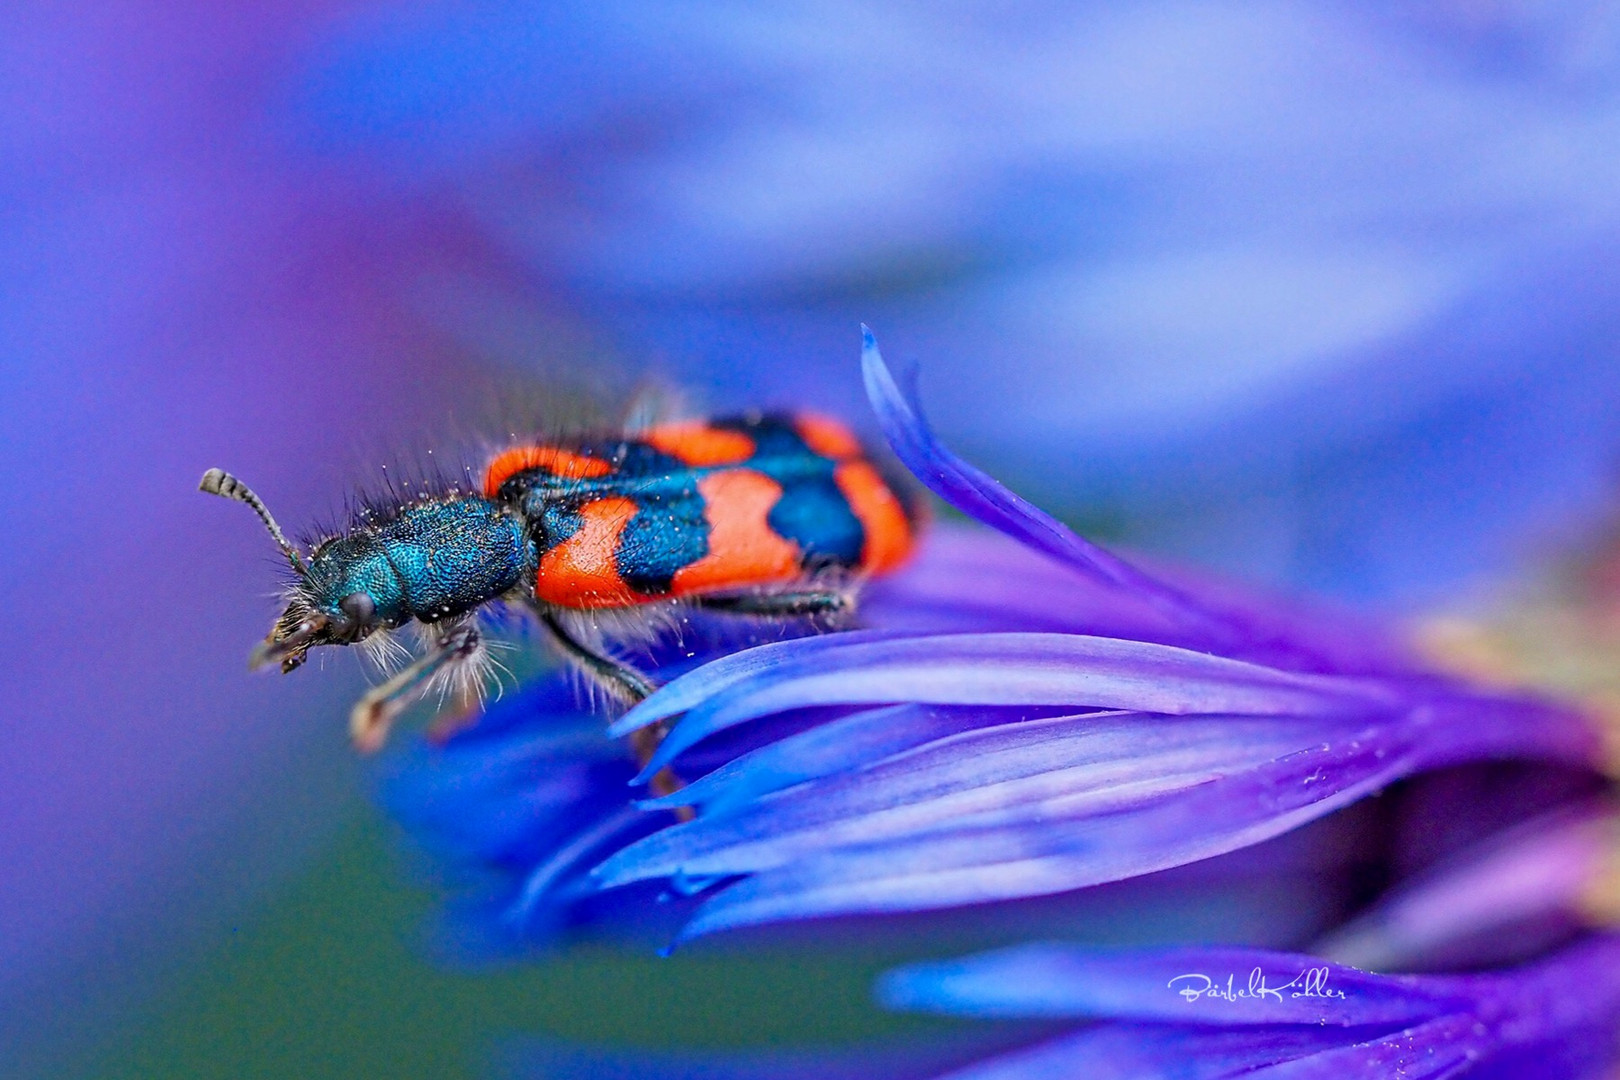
(1320, 294)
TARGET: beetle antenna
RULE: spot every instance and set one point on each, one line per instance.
(221, 483)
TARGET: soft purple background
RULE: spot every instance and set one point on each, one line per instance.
(179, 291)
(1322, 292)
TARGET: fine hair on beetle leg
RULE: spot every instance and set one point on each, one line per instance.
(467, 675)
(384, 652)
(374, 714)
(468, 684)
(596, 664)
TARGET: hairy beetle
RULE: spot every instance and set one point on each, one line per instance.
(761, 514)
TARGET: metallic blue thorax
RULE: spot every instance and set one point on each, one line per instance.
(434, 560)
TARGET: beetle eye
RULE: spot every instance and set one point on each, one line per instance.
(359, 606)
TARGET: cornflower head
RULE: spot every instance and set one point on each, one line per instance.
(1022, 714)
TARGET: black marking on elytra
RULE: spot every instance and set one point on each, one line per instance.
(814, 514)
(668, 532)
(773, 433)
(633, 458)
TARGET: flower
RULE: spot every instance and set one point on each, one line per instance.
(1011, 724)
(202, 268)
(1134, 756)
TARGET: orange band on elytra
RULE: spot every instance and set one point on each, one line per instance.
(743, 548)
(889, 537)
(553, 459)
(582, 572)
(696, 443)
(826, 436)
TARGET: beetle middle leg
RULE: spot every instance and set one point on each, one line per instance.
(627, 685)
(620, 680)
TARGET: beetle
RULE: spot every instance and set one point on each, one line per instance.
(763, 515)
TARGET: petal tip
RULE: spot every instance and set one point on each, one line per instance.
(630, 722)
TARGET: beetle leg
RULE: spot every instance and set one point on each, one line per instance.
(800, 604)
(627, 685)
(464, 713)
(376, 712)
(622, 681)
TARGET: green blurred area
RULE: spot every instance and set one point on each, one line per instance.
(329, 980)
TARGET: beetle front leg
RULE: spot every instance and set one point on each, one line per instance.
(376, 712)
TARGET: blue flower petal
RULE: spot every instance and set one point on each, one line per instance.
(1223, 1012)
(997, 809)
(695, 687)
(1169, 985)
(1034, 854)
(977, 495)
(993, 669)
(1070, 767)
(834, 747)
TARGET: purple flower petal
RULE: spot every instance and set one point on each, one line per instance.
(1228, 1012)
(1047, 805)
(692, 689)
(1443, 1047)
(995, 810)
(1072, 766)
(838, 746)
(1182, 986)
(1223, 1013)
(989, 669)
(1034, 854)
(971, 579)
(979, 496)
